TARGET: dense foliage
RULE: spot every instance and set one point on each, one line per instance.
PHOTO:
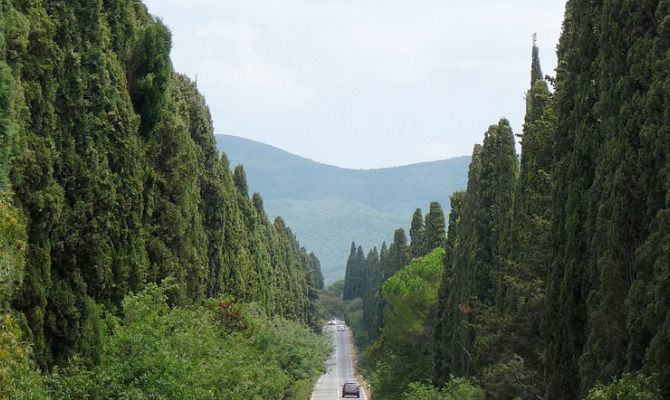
(402, 353)
(553, 291)
(221, 350)
(455, 389)
(556, 274)
(110, 181)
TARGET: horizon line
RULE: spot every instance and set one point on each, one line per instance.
(341, 167)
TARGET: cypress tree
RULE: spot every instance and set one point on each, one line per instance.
(370, 294)
(477, 255)
(12, 231)
(398, 254)
(149, 73)
(360, 272)
(350, 274)
(457, 318)
(440, 367)
(435, 235)
(240, 178)
(513, 345)
(416, 232)
(378, 321)
(576, 143)
(7, 95)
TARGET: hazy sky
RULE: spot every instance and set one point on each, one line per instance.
(362, 83)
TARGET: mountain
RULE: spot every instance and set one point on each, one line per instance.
(327, 207)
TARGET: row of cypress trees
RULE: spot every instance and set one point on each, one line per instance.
(556, 266)
(117, 182)
(365, 275)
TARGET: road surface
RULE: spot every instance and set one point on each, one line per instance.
(340, 367)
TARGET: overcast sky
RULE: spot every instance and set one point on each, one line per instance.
(362, 83)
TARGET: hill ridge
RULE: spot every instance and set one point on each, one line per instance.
(323, 164)
(329, 206)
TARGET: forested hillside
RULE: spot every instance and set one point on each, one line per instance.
(555, 270)
(110, 184)
(329, 206)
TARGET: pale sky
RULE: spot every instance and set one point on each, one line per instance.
(362, 83)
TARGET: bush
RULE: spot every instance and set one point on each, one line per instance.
(455, 389)
(223, 350)
(19, 377)
(629, 387)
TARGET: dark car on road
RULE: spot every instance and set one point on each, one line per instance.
(351, 389)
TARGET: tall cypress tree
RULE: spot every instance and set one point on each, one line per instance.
(360, 273)
(477, 255)
(350, 274)
(513, 365)
(370, 294)
(7, 99)
(440, 367)
(398, 254)
(416, 231)
(576, 143)
(456, 318)
(435, 235)
(378, 321)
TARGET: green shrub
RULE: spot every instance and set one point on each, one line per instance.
(19, 377)
(455, 389)
(223, 350)
(629, 387)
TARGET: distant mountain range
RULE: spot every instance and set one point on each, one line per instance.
(327, 207)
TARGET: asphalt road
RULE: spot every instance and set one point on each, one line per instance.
(340, 367)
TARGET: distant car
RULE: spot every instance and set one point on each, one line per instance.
(340, 327)
(351, 388)
(332, 322)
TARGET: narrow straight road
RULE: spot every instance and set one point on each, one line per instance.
(340, 367)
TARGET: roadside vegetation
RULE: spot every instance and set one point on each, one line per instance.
(125, 235)
(221, 350)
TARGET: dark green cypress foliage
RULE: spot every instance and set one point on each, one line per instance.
(315, 266)
(435, 235)
(149, 73)
(440, 367)
(648, 315)
(611, 147)
(370, 294)
(620, 222)
(115, 169)
(178, 240)
(215, 210)
(398, 254)
(535, 72)
(31, 170)
(498, 177)
(350, 274)
(7, 98)
(512, 366)
(476, 259)
(575, 145)
(12, 230)
(416, 232)
(240, 178)
(457, 318)
(377, 321)
(354, 278)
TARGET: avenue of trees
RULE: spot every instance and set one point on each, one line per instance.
(555, 280)
(111, 184)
